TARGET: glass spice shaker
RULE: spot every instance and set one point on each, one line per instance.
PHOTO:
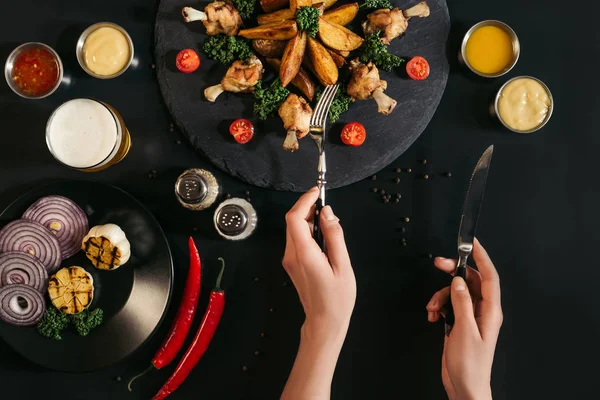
(197, 189)
(235, 219)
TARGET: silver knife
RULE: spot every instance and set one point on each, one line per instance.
(468, 222)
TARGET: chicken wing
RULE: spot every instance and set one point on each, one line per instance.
(393, 23)
(366, 84)
(218, 17)
(241, 77)
(295, 113)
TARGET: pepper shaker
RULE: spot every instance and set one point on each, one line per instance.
(235, 219)
(197, 189)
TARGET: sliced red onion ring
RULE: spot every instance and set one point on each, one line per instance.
(21, 305)
(33, 238)
(23, 268)
(63, 218)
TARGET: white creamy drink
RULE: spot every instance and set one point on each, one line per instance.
(82, 133)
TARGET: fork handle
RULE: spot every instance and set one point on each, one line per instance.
(318, 233)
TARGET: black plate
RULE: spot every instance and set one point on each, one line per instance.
(263, 162)
(134, 297)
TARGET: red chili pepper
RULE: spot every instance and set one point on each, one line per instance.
(185, 316)
(205, 333)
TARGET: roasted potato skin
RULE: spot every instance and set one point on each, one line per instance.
(295, 4)
(285, 30)
(292, 58)
(322, 63)
(342, 15)
(276, 16)
(273, 5)
(337, 37)
(269, 47)
(302, 80)
(337, 59)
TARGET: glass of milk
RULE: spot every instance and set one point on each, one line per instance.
(87, 135)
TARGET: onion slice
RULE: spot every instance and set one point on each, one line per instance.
(33, 238)
(63, 218)
(21, 305)
(22, 268)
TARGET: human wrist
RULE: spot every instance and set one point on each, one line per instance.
(481, 394)
(318, 332)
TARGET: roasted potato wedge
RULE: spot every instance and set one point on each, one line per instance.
(337, 37)
(273, 5)
(277, 16)
(302, 80)
(295, 4)
(337, 59)
(323, 65)
(292, 58)
(268, 47)
(343, 53)
(277, 31)
(328, 3)
(342, 15)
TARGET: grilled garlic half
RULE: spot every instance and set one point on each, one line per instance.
(107, 247)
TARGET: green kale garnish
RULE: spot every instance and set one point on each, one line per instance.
(53, 323)
(307, 19)
(246, 8)
(377, 52)
(227, 49)
(267, 100)
(86, 320)
(376, 4)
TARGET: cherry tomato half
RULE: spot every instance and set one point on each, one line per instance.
(354, 134)
(187, 61)
(418, 68)
(242, 130)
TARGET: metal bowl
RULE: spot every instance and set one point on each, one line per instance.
(507, 29)
(550, 109)
(9, 65)
(84, 36)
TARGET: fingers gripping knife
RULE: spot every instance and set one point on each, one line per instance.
(468, 222)
(317, 132)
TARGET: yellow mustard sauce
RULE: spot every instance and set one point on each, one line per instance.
(106, 51)
(524, 104)
(489, 50)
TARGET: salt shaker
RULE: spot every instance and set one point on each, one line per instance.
(197, 189)
(235, 219)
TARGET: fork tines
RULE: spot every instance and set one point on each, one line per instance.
(319, 117)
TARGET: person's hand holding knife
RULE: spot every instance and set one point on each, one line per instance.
(469, 349)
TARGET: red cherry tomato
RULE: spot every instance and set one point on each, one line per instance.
(242, 130)
(187, 61)
(354, 134)
(418, 68)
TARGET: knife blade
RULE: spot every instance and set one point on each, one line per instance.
(468, 221)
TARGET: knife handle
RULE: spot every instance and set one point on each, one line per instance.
(461, 270)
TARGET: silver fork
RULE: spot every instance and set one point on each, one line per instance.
(317, 132)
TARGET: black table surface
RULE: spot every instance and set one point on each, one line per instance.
(539, 221)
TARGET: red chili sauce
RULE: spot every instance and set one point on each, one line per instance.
(35, 72)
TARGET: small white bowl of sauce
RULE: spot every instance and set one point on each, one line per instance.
(105, 50)
(524, 104)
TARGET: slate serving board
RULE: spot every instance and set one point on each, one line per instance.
(263, 162)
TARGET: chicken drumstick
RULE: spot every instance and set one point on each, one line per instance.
(218, 17)
(295, 113)
(365, 84)
(393, 23)
(241, 77)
